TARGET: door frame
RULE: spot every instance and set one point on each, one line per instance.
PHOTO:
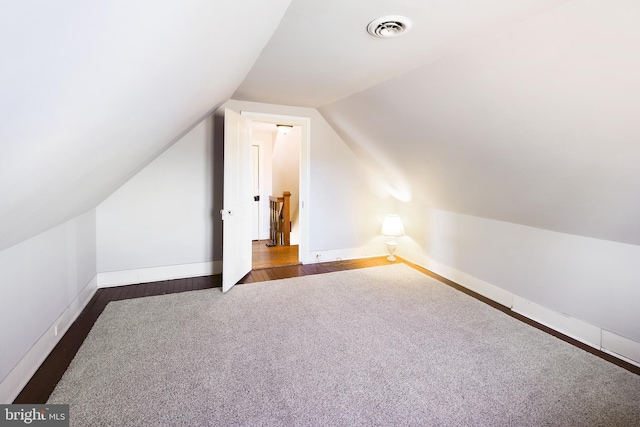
(305, 193)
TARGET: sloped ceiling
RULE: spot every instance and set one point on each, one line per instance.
(518, 111)
(92, 91)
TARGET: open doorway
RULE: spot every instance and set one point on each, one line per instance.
(280, 162)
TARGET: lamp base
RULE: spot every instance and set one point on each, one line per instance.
(392, 245)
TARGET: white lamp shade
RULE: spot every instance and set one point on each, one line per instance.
(392, 226)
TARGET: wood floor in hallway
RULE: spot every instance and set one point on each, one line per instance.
(264, 256)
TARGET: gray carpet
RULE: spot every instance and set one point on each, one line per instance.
(378, 346)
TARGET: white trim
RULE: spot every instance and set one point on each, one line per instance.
(486, 289)
(304, 201)
(344, 254)
(567, 325)
(156, 274)
(20, 375)
(623, 348)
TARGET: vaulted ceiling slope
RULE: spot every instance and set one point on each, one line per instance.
(514, 110)
(538, 125)
(93, 91)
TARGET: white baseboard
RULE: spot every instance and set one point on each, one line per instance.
(594, 336)
(156, 274)
(486, 289)
(20, 375)
(621, 347)
(567, 325)
(343, 254)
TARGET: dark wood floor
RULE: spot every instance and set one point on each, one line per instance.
(43, 382)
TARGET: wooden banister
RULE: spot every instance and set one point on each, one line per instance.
(280, 220)
(286, 218)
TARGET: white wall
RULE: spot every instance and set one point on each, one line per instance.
(45, 281)
(596, 283)
(164, 215)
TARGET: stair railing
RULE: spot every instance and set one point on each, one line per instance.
(280, 220)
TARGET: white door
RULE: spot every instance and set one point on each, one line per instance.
(237, 199)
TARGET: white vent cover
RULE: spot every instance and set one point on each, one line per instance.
(389, 26)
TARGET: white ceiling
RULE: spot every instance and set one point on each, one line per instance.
(518, 110)
(321, 51)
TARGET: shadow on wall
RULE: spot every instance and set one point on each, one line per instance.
(217, 161)
(389, 176)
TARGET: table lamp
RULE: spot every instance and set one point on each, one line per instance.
(392, 227)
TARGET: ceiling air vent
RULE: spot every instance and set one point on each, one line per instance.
(389, 26)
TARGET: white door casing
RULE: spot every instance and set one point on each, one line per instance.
(237, 199)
